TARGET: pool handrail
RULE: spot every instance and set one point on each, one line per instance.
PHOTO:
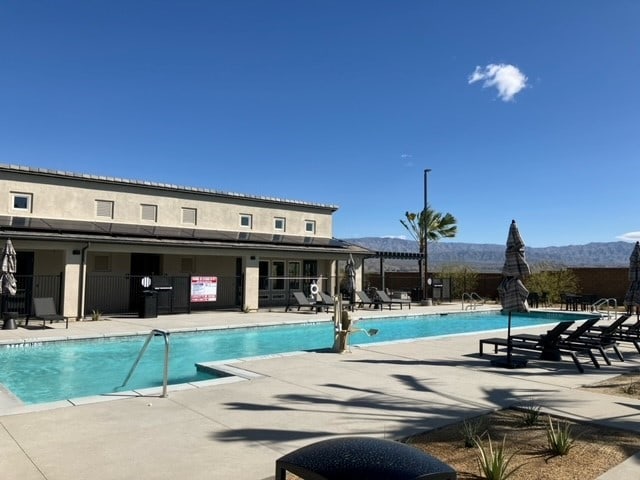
(165, 375)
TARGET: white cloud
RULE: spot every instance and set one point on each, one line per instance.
(629, 237)
(507, 79)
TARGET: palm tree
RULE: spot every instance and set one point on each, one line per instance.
(439, 226)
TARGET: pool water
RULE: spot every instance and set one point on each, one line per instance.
(49, 371)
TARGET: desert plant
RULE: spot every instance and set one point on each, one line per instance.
(96, 314)
(630, 388)
(530, 413)
(553, 279)
(472, 429)
(559, 438)
(494, 463)
(464, 279)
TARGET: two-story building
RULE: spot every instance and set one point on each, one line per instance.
(95, 243)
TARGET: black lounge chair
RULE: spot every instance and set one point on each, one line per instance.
(45, 309)
(617, 332)
(386, 300)
(547, 344)
(364, 298)
(302, 301)
(581, 338)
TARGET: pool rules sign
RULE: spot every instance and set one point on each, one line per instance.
(204, 289)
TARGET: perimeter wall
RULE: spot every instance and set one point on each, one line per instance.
(601, 282)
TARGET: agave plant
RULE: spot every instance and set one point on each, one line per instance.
(559, 438)
(494, 462)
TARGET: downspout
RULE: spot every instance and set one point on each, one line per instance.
(82, 282)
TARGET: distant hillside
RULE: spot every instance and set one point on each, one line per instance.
(490, 257)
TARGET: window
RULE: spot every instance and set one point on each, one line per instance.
(246, 220)
(186, 265)
(104, 208)
(310, 226)
(279, 223)
(294, 273)
(22, 201)
(149, 212)
(277, 270)
(189, 216)
(102, 263)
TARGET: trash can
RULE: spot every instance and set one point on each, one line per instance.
(362, 457)
(148, 304)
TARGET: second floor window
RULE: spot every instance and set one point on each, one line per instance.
(189, 216)
(246, 220)
(22, 201)
(104, 208)
(149, 212)
(279, 224)
(310, 226)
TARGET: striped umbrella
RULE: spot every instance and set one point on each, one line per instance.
(7, 269)
(513, 293)
(633, 294)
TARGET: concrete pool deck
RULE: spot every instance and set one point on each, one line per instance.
(239, 428)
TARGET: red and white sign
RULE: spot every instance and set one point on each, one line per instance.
(204, 289)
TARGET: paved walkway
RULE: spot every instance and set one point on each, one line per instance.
(238, 428)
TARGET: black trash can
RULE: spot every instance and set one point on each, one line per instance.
(356, 458)
(148, 304)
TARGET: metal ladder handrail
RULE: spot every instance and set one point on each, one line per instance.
(165, 376)
(472, 302)
(607, 301)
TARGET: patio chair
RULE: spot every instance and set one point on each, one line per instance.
(581, 338)
(547, 344)
(617, 332)
(363, 298)
(301, 300)
(45, 309)
(386, 300)
(326, 301)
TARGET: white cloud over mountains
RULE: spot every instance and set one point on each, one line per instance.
(507, 79)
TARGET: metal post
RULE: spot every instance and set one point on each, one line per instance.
(425, 285)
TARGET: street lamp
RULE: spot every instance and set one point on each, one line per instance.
(425, 229)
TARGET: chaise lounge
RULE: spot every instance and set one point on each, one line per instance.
(45, 310)
(301, 300)
(548, 345)
(386, 300)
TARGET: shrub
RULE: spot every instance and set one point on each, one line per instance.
(559, 438)
(472, 429)
(530, 413)
(494, 463)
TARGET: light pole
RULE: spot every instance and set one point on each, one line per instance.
(425, 229)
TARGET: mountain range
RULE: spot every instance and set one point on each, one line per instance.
(490, 257)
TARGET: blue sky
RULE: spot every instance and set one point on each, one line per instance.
(523, 110)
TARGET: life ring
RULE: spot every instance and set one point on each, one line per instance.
(314, 289)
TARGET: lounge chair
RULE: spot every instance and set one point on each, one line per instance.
(326, 301)
(301, 300)
(548, 345)
(45, 310)
(386, 300)
(364, 298)
(616, 332)
(581, 338)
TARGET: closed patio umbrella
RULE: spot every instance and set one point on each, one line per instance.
(633, 294)
(350, 272)
(513, 293)
(8, 281)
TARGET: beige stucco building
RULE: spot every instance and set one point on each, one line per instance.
(89, 241)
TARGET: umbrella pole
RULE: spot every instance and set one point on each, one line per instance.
(509, 341)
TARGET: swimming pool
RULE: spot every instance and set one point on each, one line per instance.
(49, 371)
